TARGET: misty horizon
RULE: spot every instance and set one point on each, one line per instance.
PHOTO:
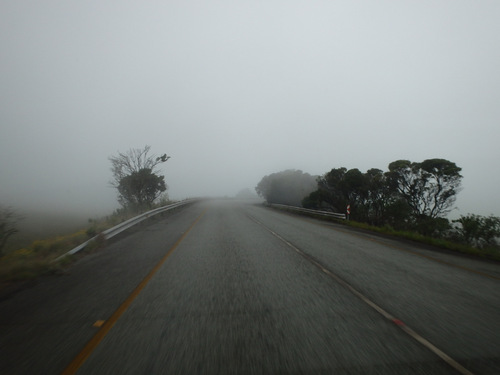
(237, 91)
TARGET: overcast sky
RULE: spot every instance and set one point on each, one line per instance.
(235, 90)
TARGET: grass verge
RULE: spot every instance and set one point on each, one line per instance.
(38, 258)
(488, 253)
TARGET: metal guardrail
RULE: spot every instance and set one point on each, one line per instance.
(306, 210)
(111, 232)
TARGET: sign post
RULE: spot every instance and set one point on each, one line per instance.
(348, 210)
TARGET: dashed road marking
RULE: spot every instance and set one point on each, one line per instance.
(450, 361)
(80, 359)
(399, 248)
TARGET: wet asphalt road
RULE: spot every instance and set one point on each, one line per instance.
(243, 292)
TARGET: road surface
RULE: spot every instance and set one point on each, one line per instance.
(223, 287)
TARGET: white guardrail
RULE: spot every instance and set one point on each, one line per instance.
(111, 232)
(306, 210)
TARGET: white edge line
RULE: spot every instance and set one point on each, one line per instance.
(450, 361)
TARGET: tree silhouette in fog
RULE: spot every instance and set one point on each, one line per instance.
(136, 177)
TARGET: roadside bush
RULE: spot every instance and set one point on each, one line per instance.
(437, 227)
(477, 230)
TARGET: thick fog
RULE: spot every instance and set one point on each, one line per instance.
(236, 90)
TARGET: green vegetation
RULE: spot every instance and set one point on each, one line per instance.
(478, 231)
(410, 196)
(38, 258)
(136, 179)
(410, 200)
(139, 187)
(450, 243)
(453, 243)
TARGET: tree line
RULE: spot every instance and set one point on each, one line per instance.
(288, 187)
(409, 196)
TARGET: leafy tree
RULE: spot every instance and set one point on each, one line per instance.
(8, 221)
(490, 230)
(410, 195)
(332, 188)
(287, 187)
(379, 197)
(398, 214)
(314, 200)
(355, 188)
(437, 227)
(340, 187)
(479, 230)
(133, 160)
(136, 178)
(140, 189)
(429, 187)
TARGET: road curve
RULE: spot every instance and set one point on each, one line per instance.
(222, 287)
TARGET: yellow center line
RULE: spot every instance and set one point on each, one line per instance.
(80, 359)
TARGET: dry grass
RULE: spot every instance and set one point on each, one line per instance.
(38, 258)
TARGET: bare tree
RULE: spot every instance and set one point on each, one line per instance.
(136, 178)
(8, 221)
(133, 161)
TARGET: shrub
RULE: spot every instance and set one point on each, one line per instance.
(476, 230)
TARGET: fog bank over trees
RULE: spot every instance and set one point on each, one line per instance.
(287, 187)
(411, 197)
(237, 90)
